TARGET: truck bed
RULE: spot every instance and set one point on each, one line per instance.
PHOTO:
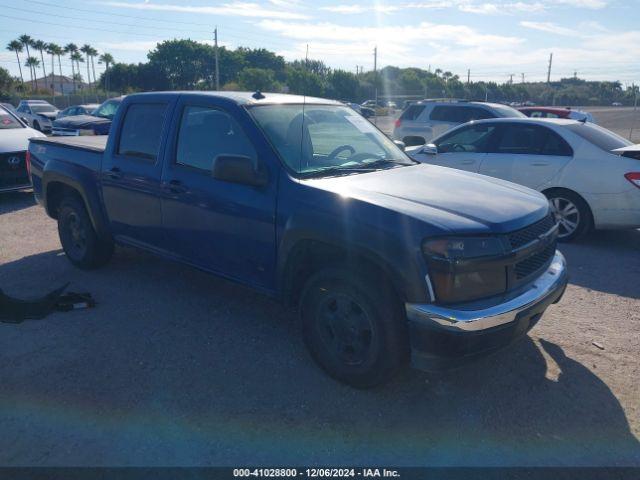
(93, 143)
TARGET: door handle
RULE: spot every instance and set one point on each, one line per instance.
(114, 173)
(176, 186)
(540, 164)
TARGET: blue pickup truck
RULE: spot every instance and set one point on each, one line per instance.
(387, 261)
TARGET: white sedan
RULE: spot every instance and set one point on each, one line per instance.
(14, 141)
(590, 175)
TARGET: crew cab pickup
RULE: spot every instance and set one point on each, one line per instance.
(387, 260)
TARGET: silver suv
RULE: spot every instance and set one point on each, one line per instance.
(425, 120)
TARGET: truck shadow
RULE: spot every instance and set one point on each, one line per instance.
(14, 201)
(175, 367)
(607, 261)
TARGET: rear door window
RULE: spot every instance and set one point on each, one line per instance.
(142, 130)
(412, 112)
(531, 140)
(600, 137)
(445, 113)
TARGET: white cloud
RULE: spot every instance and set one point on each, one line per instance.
(590, 4)
(502, 8)
(549, 28)
(239, 9)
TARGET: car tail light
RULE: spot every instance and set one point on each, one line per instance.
(633, 177)
(27, 162)
(397, 123)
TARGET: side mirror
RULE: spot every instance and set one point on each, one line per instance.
(429, 149)
(24, 119)
(239, 169)
(400, 145)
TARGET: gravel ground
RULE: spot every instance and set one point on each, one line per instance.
(175, 367)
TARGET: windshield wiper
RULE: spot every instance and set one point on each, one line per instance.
(361, 168)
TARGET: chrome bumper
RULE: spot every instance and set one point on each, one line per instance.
(465, 319)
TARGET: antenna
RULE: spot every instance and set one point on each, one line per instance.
(304, 102)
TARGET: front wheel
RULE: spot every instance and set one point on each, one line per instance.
(353, 329)
(78, 238)
(571, 213)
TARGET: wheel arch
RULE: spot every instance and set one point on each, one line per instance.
(549, 190)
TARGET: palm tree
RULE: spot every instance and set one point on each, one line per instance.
(86, 49)
(32, 63)
(16, 46)
(56, 50)
(107, 59)
(26, 42)
(41, 46)
(92, 54)
(72, 48)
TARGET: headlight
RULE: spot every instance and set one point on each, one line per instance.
(466, 268)
(462, 248)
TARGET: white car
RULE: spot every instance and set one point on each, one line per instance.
(38, 114)
(14, 140)
(590, 175)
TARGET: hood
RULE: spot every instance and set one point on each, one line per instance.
(80, 121)
(49, 115)
(450, 199)
(17, 139)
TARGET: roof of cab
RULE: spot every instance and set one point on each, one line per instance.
(252, 98)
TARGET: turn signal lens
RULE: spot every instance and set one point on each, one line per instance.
(633, 177)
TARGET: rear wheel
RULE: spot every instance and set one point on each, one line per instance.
(571, 213)
(78, 238)
(354, 330)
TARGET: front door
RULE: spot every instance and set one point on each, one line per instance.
(228, 228)
(464, 148)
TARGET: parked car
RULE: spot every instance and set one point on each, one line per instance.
(98, 123)
(305, 200)
(14, 140)
(86, 109)
(11, 109)
(616, 104)
(422, 121)
(590, 175)
(391, 105)
(555, 112)
(37, 114)
(366, 112)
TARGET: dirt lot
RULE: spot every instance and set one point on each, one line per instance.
(175, 367)
(622, 120)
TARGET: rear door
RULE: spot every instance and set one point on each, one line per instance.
(464, 148)
(527, 154)
(225, 227)
(131, 172)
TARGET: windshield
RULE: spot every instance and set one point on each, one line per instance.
(7, 120)
(600, 137)
(42, 108)
(107, 109)
(508, 112)
(331, 138)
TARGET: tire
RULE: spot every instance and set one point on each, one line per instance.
(571, 212)
(354, 330)
(78, 238)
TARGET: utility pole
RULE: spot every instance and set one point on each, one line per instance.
(375, 73)
(549, 69)
(511, 79)
(215, 41)
(468, 76)
(522, 77)
(575, 74)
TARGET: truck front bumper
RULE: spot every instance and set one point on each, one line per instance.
(446, 336)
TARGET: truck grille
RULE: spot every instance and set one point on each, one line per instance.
(13, 170)
(528, 234)
(534, 263)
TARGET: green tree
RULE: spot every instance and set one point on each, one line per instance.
(183, 63)
(6, 83)
(264, 59)
(107, 60)
(262, 79)
(16, 46)
(32, 63)
(342, 85)
(71, 49)
(40, 46)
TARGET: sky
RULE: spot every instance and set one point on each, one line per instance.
(598, 39)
